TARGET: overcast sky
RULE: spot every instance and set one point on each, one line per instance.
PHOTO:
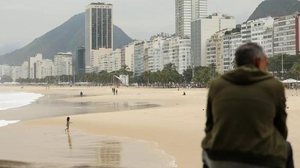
(21, 21)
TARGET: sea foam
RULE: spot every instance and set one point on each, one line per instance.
(5, 122)
(10, 100)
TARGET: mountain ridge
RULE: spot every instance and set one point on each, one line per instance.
(275, 8)
(65, 38)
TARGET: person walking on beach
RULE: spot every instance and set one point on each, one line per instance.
(246, 116)
(81, 94)
(116, 91)
(68, 125)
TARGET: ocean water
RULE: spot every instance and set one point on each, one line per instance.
(10, 100)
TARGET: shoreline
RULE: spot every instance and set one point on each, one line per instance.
(176, 125)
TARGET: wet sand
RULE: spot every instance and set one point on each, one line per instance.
(51, 147)
(176, 124)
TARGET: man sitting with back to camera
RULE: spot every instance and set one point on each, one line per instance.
(246, 116)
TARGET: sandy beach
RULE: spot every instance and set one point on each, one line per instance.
(164, 118)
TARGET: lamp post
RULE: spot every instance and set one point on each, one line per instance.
(282, 67)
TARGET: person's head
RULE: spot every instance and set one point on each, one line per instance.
(68, 118)
(251, 54)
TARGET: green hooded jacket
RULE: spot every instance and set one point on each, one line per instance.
(246, 119)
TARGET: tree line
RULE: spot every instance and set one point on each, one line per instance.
(285, 66)
(169, 76)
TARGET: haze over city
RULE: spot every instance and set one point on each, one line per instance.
(136, 17)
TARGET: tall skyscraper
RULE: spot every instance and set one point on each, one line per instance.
(199, 9)
(98, 31)
(80, 61)
(183, 17)
(186, 11)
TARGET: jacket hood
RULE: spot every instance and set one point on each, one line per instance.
(246, 75)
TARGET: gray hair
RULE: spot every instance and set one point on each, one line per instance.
(247, 54)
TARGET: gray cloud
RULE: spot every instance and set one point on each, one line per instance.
(24, 20)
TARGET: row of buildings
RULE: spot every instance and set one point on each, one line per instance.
(150, 55)
(138, 56)
(277, 36)
(38, 68)
(200, 40)
(215, 37)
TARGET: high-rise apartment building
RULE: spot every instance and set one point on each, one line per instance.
(110, 62)
(215, 51)
(4, 70)
(139, 54)
(35, 67)
(183, 17)
(25, 70)
(63, 63)
(199, 9)
(15, 72)
(287, 35)
(232, 40)
(98, 31)
(203, 29)
(155, 52)
(48, 68)
(177, 51)
(186, 11)
(259, 31)
(127, 56)
(80, 61)
(254, 30)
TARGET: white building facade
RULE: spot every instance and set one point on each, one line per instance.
(215, 51)
(48, 68)
(25, 70)
(199, 9)
(259, 31)
(63, 64)
(202, 30)
(186, 12)
(287, 35)
(139, 52)
(232, 40)
(127, 58)
(16, 72)
(183, 17)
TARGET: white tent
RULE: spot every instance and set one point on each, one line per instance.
(287, 81)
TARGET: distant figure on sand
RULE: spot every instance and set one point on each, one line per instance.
(184, 93)
(81, 94)
(68, 125)
(246, 116)
(116, 91)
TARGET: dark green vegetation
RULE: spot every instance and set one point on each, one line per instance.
(168, 77)
(65, 38)
(5, 78)
(275, 8)
(290, 64)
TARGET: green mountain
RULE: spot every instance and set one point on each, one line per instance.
(66, 37)
(275, 8)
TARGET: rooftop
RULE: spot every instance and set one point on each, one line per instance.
(100, 3)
